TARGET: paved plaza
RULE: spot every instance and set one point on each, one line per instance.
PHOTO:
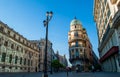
(63, 74)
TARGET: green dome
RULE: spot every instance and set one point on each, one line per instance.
(75, 22)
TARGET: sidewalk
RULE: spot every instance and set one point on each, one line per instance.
(62, 74)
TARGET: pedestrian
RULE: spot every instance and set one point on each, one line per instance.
(67, 70)
(76, 69)
(93, 69)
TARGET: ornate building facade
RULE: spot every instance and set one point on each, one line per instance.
(107, 18)
(80, 48)
(17, 54)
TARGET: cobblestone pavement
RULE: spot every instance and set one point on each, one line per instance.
(63, 74)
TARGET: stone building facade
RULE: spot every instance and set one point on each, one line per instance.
(50, 53)
(80, 48)
(17, 54)
(62, 59)
(107, 18)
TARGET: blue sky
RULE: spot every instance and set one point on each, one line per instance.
(26, 17)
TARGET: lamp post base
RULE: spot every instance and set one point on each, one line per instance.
(44, 75)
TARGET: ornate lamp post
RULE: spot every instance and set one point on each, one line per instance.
(49, 16)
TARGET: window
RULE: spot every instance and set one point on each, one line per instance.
(75, 26)
(72, 51)
(108, 13)
(3, 67)
(16, 58)
(8, 32)
(0, 41)
(80, 50)
(28, 62)
(6, 43)
(1, 29)
(77, 53)
(19, 38)
(73, 56)
(12, 46)
(31, 62)
(17, 48)
(76, 34)
(21, 60)
(21, 50)
(10, 67)
(3, 57)
(10, 58)
(16, 67)
(21, 68)
(14, 36)
(25, 61)
(76, 44)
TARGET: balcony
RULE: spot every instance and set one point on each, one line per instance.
(76, 39)
(76, 46)
(75, 58)
(105, 38)
(79, 58)
(109, 53)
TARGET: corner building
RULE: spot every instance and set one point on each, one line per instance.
(107, 18)
(80, 48)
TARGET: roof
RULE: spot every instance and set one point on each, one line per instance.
(75, 22)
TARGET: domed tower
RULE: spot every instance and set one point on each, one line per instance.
(77, 38)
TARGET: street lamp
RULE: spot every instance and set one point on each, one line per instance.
(49, 16)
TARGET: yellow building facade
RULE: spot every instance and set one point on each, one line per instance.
(80, 47)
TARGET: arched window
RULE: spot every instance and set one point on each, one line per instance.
(3, 57)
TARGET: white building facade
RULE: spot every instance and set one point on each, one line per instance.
(106, 16)
(17, 54)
